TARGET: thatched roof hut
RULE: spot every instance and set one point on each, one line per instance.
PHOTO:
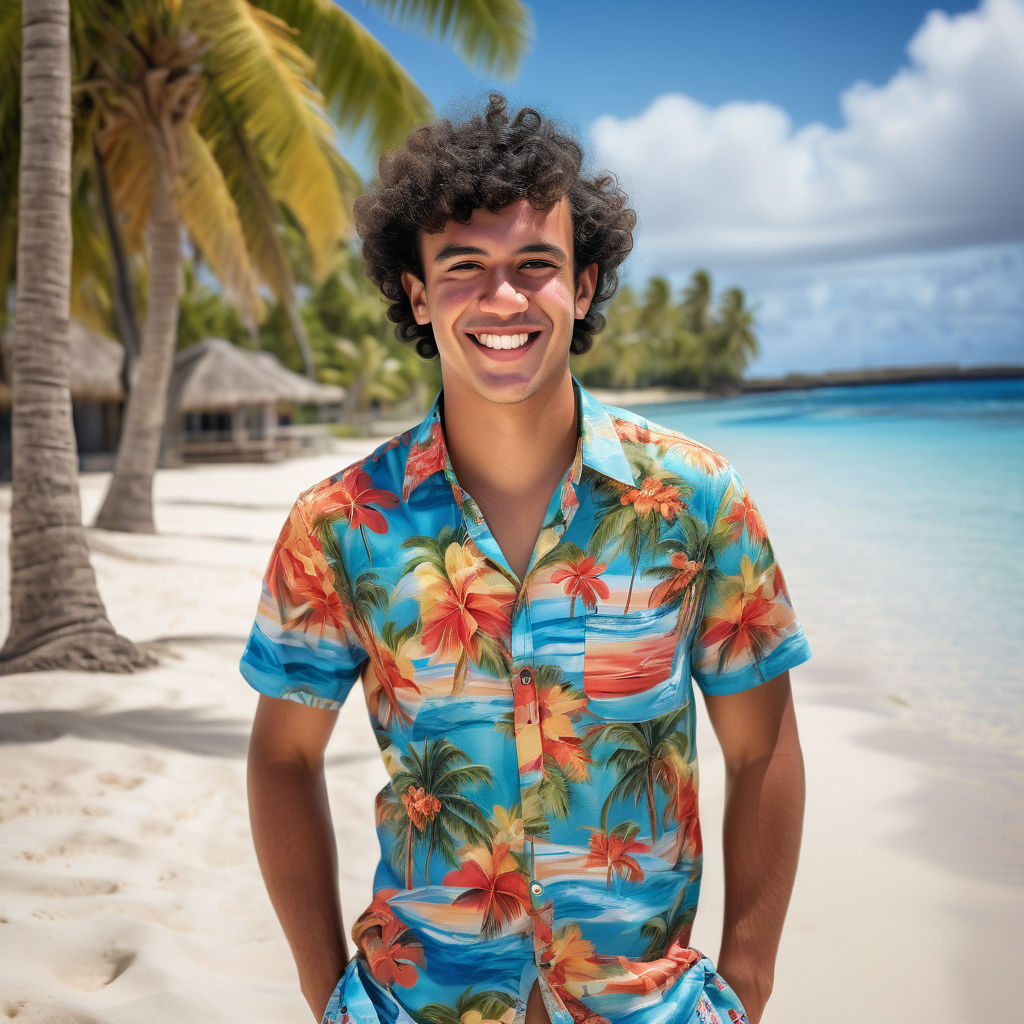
(214, 375)
(228, 402)
(95, 365)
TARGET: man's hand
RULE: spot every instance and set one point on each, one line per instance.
(764, 806)
(294, 839)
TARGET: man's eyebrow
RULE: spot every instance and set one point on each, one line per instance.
(458, 250)
(546, 247)
(550, 249)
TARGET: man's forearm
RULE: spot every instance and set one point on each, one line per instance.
(294, 840)
(763, 821)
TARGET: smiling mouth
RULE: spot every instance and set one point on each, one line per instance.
(504, 341)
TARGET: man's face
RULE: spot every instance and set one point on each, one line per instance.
(500, 294)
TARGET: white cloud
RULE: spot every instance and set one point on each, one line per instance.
(935, 157)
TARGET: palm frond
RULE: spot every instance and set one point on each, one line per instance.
(211, 218)
(489, 35)
(254, 61)
(363, 86)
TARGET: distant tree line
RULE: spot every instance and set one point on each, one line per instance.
(657, 338)
(652, 338)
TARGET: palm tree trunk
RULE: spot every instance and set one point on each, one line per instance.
(650, 802)
(129, 502)
(123, 293)
(629, 593)
(408, 859)
(57, 616)
(300, 335)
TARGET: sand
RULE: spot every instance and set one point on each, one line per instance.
(128, 887)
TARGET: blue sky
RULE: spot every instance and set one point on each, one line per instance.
(589, 60)
(834, 159)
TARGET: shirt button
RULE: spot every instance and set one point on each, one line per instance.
(525, 677)
(536, 888)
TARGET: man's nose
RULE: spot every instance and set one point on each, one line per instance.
(502, 297)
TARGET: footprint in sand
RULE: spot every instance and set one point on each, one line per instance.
(94, 971)
(117, 781)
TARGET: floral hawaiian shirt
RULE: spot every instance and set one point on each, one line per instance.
(541, 816)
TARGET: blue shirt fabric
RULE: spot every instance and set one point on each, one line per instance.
(541, 817)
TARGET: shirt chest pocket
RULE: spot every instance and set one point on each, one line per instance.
(634, 666)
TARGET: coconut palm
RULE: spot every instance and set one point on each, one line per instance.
(732, 342)
(428, 805)
(212, 115)
(630, 520)
(696, 304)
(646, 754)
(57, 617)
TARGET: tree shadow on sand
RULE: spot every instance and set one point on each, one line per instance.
(184, 729)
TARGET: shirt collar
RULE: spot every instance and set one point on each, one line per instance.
(601, 446)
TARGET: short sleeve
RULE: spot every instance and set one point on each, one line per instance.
(303, 645)
(748, 631)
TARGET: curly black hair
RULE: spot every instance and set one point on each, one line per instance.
(447, 171)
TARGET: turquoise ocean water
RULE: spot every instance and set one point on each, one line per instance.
(897, 514)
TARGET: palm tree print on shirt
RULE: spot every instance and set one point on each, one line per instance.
(578, 573)
(664, 928)
(645, 755)
(354, 499)
(427, 805)
(631, 519)
(464, 605)
(613, 849)
(487, 1007)
(393, 672)
(495, 883)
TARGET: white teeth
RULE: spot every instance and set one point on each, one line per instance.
(503, 340)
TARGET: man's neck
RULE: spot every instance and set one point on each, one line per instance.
(511, 450)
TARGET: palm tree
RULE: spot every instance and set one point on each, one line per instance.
(664, 928)
(696, 304)
(692, 563)
(631, 519)
(732, 340)
(612, 850)
(646, 754)
(57, 617)
(428, 804)
(491, 1005)
(213, 115)
(465, 614)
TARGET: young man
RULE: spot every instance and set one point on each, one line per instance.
(525, 584)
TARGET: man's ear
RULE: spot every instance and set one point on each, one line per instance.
(585, 285)
(417, 293)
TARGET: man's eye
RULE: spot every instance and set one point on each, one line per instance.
(538, 264)
(464, 266)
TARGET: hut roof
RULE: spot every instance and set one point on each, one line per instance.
(95, 364)
(214, 374)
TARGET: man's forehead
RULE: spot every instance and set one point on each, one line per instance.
(519, 223)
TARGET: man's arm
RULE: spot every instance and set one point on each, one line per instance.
(294, 839)
(764, 809)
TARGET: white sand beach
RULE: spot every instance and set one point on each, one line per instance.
(129, 891)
